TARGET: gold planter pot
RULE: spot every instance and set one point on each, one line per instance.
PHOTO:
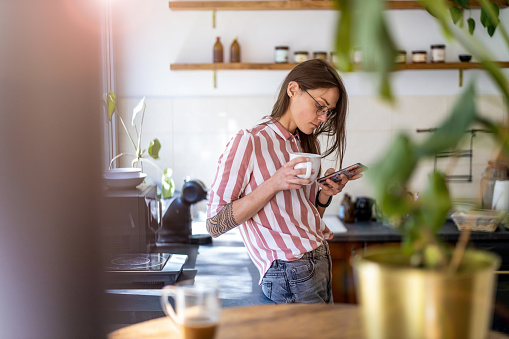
(398, 301)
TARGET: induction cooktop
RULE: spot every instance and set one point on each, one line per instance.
(143, 270)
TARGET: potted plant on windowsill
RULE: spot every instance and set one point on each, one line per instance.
(139, 155)
(423, 289)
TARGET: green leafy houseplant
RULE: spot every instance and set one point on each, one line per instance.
(167, 183)
(489, 15)
(363, 24)
(423, 289)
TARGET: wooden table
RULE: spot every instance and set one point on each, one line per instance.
(339, 321)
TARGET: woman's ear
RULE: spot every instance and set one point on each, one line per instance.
(292, 88)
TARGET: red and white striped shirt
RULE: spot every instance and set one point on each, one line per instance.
(289, 225)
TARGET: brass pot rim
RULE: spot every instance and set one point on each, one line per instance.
(485, 261)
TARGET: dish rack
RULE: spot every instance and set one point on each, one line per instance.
(467, 153)
(478, 220)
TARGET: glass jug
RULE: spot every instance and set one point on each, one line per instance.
(493, 172)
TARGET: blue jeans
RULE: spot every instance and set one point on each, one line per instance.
(306, 280)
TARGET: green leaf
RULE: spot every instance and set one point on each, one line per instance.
(167, 184)
(343, 36)
(491, 30)
(456, 14)
(138, 108)
(440, 10)
(434, 257)
(488, 20)
(112, 104)
(453, 128)
(463, 3)
(485, 20)
(391, 174)
(471, 26)
(435, 202)
(377, 46)
(153, 148)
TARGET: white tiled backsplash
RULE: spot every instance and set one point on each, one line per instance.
(194, 132)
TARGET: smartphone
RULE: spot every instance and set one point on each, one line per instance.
(349, 171)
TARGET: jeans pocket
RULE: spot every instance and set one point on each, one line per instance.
(301, 270)
(267, 289)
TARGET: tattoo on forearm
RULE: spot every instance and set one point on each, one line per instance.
(222, 222)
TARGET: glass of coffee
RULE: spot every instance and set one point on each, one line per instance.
(197, 309)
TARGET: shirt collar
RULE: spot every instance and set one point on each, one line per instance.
(280, 130)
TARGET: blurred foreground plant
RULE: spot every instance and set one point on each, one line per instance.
(363, 24)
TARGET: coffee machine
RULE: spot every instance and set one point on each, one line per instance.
(177, 220)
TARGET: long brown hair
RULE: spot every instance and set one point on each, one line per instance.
(314, 74)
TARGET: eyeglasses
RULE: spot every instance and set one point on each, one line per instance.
(322, 109)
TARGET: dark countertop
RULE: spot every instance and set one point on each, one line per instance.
(225, 263)
(372, 231)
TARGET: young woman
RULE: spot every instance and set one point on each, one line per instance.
(256, 187)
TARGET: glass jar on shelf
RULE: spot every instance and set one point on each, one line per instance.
(281, 55)
(419, 57)
(320, 55)
(437, 53)
(300, 56)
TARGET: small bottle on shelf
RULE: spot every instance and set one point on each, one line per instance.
(218, 51)
(235, 51)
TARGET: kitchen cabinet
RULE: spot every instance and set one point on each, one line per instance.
(363, 235)
(343, 283)
(343, 287)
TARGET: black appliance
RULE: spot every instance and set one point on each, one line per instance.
(132, 218)
(363, 208)
(177, 220)
(143, 270)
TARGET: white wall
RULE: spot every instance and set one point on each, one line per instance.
(149, 37)
(194, 120)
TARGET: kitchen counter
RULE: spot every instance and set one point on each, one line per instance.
(371, 231)
(226, 263)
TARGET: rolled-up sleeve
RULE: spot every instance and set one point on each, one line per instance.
(234, 170)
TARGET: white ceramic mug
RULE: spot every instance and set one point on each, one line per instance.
(313, 164)
(197, 309)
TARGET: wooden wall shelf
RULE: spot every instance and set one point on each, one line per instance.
(291, 5)
(289, 66)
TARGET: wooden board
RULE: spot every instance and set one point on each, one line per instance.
(289, 66)
(265, 321)
(270, 322)
(291, 5)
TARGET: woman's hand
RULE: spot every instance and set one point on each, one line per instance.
(333, 188)
(286, 177)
